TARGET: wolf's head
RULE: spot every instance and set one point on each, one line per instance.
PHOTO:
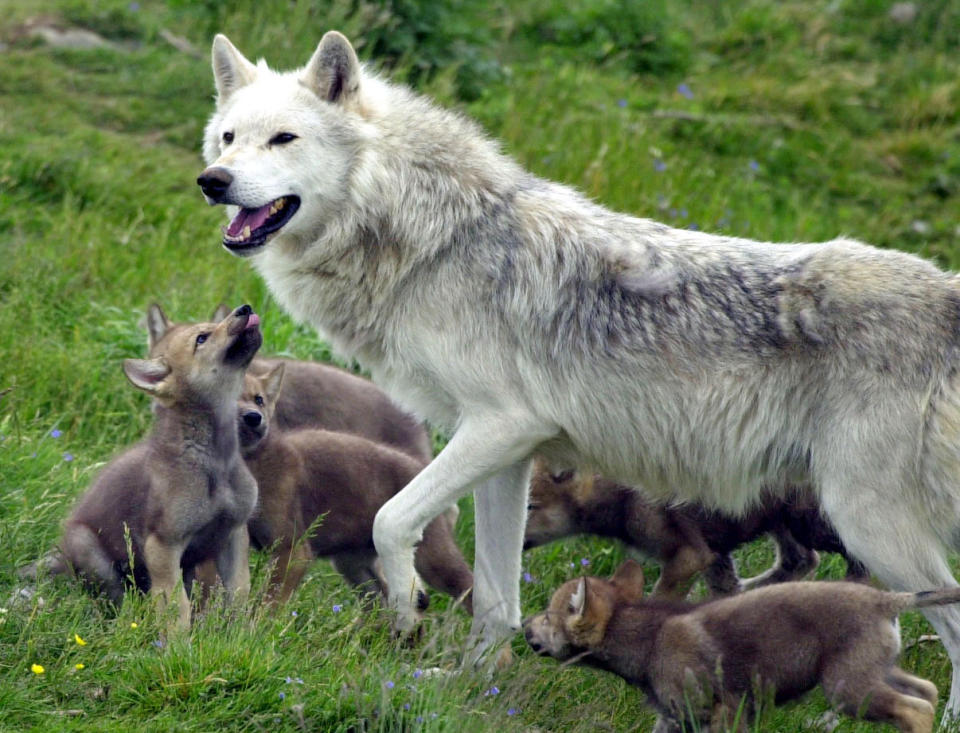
(198, 363)
(579, 611)
(280, 146)
(256, 406)
(555, 503)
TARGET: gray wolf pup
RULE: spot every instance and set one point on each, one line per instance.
(184, 494)
(321, 396)
(687, 538)
(341, 479)
(698, 663)
(522, 318)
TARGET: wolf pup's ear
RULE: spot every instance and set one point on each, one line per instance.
(157, 325)
(146, 374)
(333, 71)
(629, 580)
(591, 607)
(272, 382)
(231, 70)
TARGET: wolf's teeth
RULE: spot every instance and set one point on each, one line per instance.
(245, 234)
(279, 203)
(273, 209)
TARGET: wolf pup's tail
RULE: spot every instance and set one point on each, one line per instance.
(940, 597)
(52, 563)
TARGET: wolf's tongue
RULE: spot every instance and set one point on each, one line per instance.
(253, 218)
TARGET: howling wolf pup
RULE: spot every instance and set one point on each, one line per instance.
(697, 663)
(523, 318)
(184, 494)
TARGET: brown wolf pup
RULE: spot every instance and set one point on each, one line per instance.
(342, 480)
(686, 539)
(321, 396)
(698, 663)
(184, 494)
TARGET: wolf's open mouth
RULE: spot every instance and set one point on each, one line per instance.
(251, 227)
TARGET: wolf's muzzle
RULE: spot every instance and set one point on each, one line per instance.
(214, 183)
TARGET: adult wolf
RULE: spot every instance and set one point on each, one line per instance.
(522, 317)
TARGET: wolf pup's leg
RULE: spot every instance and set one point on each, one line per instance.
(902, 553)
(483, 445)
(166, 583)
(233, 564)
(83, 552)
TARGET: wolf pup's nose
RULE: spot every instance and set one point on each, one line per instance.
(243, 310)
(253, 419)
(214, 183)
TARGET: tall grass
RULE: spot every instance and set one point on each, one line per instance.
(772, 120)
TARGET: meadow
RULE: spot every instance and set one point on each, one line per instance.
(798, 120)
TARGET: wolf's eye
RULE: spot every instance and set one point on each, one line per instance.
(228, 137)
(282, 138)
(562, 477)
(202, 337)
(258, 401)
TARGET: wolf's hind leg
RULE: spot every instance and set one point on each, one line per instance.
(82, 550)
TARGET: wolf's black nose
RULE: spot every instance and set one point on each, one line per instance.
(252, 418)
(214, 182)
(243, 310)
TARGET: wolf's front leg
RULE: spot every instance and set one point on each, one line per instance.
(501, 513)
(483, 445)
(233, 564)
(166, 584)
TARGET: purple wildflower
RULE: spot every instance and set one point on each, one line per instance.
(294, 614)
(68, 457)
(512, 711)
(419, 718)
(659, 165)
(389, 684)
(492, 691)
(283, 696)
(527, 578)
(685, 90)
(621, 102)
(158, 643)
(584, 561)
(406, 706)
(337, 608)
(754, 165)
(417, 674)
(694, 227)
(56, 433)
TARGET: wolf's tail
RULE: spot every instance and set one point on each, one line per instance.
(940, 597)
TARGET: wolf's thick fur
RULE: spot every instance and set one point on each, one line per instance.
(342, 480)
(184, 494)
(686, 539)
(698, 662)
(522, 317)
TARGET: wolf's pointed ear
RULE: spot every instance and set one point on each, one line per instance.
(231, 70)
(146, 374)
(222, 311)
(629, 580)
(333, 72)
(578, 601)
(272, 382)
(157, 325)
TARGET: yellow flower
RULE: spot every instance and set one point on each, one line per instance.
(133, 624)
(37, 669)
(79, 665)
(81, 642)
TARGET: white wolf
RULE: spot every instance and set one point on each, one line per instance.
(524, 318)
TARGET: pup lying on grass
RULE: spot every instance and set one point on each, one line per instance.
(184, 493)
(341, 480)
(686, 539)
(321, 396)
(699, 663)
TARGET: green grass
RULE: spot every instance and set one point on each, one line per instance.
(804, 120)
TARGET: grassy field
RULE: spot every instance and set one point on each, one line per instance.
(794, 120)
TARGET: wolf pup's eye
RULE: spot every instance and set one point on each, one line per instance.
(201, 338)
(228, 137)
(258, 401)
(282, 138)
